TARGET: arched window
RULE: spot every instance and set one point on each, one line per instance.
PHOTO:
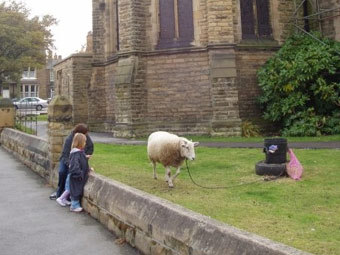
(255, 19)
(176, 23)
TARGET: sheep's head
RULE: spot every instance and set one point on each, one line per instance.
(188, 148)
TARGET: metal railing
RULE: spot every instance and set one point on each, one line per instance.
(26, 118)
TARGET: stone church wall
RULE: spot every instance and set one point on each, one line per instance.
(249, 60)
(179, 92)
(331, 20)
(72, 80)
(137, 85)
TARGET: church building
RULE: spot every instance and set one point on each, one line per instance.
(184, 66)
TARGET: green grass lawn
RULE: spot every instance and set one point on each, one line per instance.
(304, 214)
(42, 117)
(25, 129)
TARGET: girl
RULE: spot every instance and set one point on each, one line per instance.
(78, 174)
(64, 160)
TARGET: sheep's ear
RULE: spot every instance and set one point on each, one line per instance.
(196, 144)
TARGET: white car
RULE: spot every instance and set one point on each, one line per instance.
(31, 103)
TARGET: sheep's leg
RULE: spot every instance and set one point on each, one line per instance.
(167, 173)
(154, 170)
(171, 185)
(174, 176)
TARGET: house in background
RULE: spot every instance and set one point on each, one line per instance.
(45, 77)
(28, 86)
(34, 82)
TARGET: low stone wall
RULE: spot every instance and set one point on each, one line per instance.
(158, 227)
(153, 225)
(30, 149)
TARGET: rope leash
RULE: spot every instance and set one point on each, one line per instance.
(231, 186)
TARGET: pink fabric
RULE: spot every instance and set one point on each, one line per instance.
(294, 167)
(65, 195)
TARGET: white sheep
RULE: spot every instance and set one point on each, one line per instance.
(169, 150)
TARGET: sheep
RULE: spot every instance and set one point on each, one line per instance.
(169, 150)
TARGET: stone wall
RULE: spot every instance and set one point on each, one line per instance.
(98, 24)
(330, 20)
(158, 227)
(249, 60)
(29, 149)
(101, 102)
(73, 76)
(178, 92)
(7, 113)
(205, 88)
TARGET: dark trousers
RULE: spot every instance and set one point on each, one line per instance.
(63, 172)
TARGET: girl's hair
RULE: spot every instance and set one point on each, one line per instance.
(79, 141)
(80, 128)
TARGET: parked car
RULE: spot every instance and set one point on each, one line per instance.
(31, 103)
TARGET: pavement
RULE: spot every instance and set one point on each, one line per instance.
(109, 139)
(31, 223)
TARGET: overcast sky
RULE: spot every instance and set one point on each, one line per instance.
(74, 21)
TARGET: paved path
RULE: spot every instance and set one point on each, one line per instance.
(31, 224)
(107, 138)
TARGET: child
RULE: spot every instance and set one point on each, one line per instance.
(64, 160)
(78, 174)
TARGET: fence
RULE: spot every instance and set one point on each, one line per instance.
(26, 118)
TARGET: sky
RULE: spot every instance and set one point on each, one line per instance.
(74, 22)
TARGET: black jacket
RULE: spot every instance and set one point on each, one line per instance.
(78, 171)
(65, 154)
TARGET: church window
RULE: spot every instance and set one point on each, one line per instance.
(176, 23)
(255, 19)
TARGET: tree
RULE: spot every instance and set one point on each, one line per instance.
(301, 86)
(23, 40)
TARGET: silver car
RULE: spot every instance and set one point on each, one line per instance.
(31, 103)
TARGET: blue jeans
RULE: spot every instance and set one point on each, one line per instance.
(74, 203)
(63, 172)
(67, 183)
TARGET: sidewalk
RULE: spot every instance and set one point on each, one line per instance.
(31, 224)
(109, 139)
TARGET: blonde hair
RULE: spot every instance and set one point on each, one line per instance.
(79, 141)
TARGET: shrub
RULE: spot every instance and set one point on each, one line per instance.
(301, 87)
(249, 129)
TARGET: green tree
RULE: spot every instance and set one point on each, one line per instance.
(301, 86)
(23, 40)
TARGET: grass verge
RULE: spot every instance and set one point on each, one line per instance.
(303, 214)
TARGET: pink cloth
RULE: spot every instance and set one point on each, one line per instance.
(294, 167)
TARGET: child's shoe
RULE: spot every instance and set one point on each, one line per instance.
(53, 196)
(66, 202)
(76, 209)
(60, 201)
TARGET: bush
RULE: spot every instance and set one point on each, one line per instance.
(301, 87)
(249, 129)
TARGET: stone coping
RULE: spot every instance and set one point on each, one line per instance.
(29, 149)
(29, 142)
